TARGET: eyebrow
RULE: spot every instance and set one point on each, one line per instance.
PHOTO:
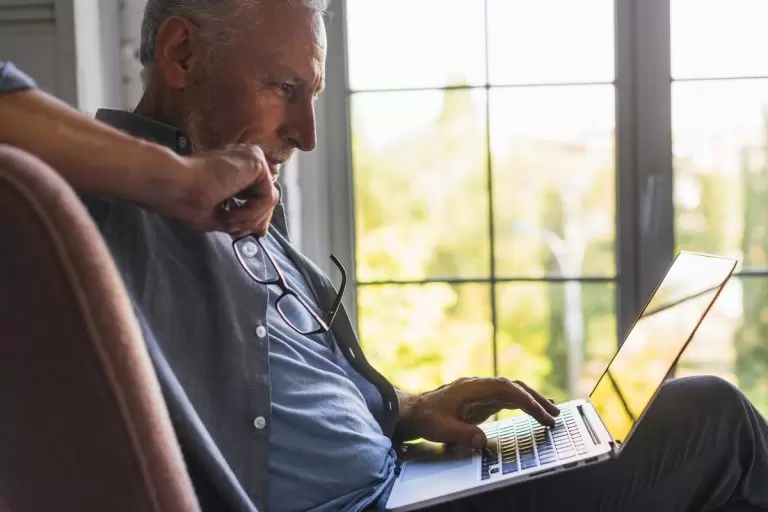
(286, 72)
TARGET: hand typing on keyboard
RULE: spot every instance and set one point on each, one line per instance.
(451, 413)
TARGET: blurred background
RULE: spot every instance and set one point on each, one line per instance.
(506, 180)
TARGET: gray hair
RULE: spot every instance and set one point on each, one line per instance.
(208, 13)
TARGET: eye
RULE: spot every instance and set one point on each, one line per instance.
(287, 89)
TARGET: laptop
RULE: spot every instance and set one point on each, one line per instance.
(588, 431)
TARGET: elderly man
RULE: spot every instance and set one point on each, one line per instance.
(274, 409)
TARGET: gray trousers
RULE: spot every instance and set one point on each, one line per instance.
(701, 447)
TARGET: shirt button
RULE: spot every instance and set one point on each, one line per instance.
(250, 249)
(261, 331)
(259, 422)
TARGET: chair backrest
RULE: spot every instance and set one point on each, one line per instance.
(83, 425)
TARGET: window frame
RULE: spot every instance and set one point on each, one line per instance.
(644, 244)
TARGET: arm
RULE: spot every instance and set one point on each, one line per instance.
(98, 159)
(91, 156)
(407, 401)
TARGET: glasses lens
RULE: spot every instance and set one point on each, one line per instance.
(296, 313)
(255, 260)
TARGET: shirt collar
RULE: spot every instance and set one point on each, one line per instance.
(148, 129)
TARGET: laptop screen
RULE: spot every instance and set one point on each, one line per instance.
(657, 339)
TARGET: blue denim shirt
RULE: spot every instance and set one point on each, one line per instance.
(327, 450)
(205, 324)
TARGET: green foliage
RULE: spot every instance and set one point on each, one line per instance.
(422, 212)
(731, 218)
(752, 336)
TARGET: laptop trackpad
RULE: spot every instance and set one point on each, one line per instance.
(427, 459)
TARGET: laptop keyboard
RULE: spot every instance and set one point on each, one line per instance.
(523, 443)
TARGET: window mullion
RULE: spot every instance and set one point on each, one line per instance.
(341, 200)
(644, 152)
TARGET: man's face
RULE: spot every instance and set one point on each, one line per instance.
(261, 87)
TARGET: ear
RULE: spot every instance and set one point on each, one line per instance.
(178, 51)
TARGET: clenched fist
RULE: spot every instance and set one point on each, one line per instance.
(201, 197)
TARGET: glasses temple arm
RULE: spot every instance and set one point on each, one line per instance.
(337, 301)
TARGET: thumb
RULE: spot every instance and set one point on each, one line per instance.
(248, 163)
(451, 430)
(254, 175)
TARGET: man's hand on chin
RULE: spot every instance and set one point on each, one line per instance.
(451, 413)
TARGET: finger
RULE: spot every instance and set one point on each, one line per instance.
(509, 392)
(478, 413)
(451, 430)
(530, 405)
(548, 404)
(253, 178)
(254, 215)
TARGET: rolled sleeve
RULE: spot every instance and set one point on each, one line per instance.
(12, 79)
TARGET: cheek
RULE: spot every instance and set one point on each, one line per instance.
(241, 108)
(262, 117)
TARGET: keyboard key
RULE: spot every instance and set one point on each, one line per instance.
(546, 459)
(528, 463)
(509, 468)
(494, 470)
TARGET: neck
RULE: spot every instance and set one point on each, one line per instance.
(161, 105)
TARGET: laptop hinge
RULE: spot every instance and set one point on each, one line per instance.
(589, 426)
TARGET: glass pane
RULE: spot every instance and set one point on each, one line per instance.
(297, 314)
(550, 41)
(420, 175)
(547, 329)
(421, 337)
(553, 180)
(720, 134)
(254, 260)
(731, 342)
(719, 38)
(407, 44)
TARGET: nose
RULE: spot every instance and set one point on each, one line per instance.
(301, 129)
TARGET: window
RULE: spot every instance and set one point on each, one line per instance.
(501, 173)
(720, 143)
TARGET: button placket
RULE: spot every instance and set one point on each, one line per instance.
(261, 332)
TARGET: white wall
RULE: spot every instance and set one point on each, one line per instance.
(97, 56)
